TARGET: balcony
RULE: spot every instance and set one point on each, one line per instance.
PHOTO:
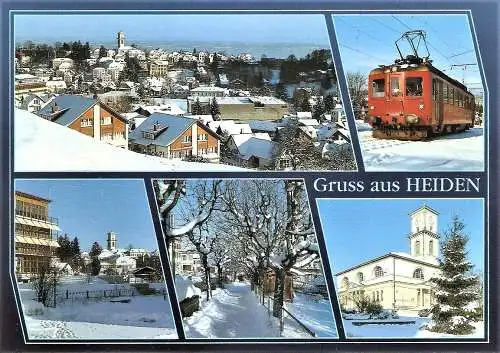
(38, 221)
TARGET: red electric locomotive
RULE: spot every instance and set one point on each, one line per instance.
(413, 100)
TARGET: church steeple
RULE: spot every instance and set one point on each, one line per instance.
(424, 240)
(111, 241)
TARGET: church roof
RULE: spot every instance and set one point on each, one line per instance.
(397, 255)
(425, 207)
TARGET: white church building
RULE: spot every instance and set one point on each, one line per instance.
(398, 280)
(115, 258)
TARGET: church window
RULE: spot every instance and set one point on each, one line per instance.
(378, 272)
(345, 282)
(417, 248)
(431, 247)
(360, 277)
(381, 295)
(418, 273)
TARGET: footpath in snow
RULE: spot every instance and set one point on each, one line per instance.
(232, 312)
(462, 151)
(235, 312)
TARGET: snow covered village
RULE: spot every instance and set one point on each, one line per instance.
(105, 292)
(432, 291)
(245, 258)
(182, 109)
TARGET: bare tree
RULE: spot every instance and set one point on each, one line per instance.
(358, 90)
(45, 284)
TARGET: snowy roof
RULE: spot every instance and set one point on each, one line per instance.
(67, 108)
(175, 126)
(208, 89)
(302, 115)
(167, 108)
(263, 125)
(308, 122)
(401, 255)
(425, 207)
(205, 118)
(42, 146)
(258, 145)
(230, 127)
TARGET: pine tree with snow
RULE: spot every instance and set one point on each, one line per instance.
(455, 293)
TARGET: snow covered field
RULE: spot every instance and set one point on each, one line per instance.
(463, 151)
(43, 146)
(403, 330)
(235, 312)
(144, 317)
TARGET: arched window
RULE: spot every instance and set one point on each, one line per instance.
(431, 247)
(360, 277)
(378, 272)
(345, 282)
(418, 273)
(417, 248)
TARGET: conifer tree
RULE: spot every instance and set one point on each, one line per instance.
(455, 293)
(214, 108)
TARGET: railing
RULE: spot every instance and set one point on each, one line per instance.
(96, 295)
(268, 302)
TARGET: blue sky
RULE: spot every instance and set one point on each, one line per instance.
(359, 230)
(367, 41)
(89, 209)
(164, 27)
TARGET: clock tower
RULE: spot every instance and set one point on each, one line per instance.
(424, 238)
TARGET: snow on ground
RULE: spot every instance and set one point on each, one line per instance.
(403, 330)
(44, 146)
(315, 313)
(454, 152)
(235, 312)
(146, 317)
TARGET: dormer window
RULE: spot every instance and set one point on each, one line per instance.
(155, 131)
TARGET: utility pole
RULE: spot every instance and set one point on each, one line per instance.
(464, 67)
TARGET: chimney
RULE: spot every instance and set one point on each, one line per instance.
(55, 108)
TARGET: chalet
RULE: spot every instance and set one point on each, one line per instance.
(89, 116)
(253, 150)
(172, 136)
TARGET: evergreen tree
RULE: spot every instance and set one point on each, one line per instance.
(196, 108)
(329, 103)
(281, 92)
(214, 108)
(455, 292)
(319, 111)
(64, 251)
(102, 52)
(95, 265)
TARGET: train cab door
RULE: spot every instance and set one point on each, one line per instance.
(395, 106)
(438, 100)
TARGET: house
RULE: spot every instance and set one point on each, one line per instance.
(229, 127)
(398, 280)
(339, 140)
(34, 102)
(172, 136)
(244, 108)
(34, 232)
(253, 150)
(264, 126)
(88, 116)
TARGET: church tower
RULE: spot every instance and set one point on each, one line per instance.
(424, 238)
(120, 38)
(111, 241)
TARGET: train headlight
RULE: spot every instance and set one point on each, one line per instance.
(421, 106)
(412, 119)
(372, 107)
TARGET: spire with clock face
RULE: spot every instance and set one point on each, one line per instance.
(424, 240)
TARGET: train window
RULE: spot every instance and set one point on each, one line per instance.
(445, 93)
(414, 86)
(434, 89)
(452, 96)
(378, 88)
(395, 90)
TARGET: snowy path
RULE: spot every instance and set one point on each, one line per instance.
(233, 312)
(461, 151)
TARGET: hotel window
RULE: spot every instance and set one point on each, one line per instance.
(378, 272)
